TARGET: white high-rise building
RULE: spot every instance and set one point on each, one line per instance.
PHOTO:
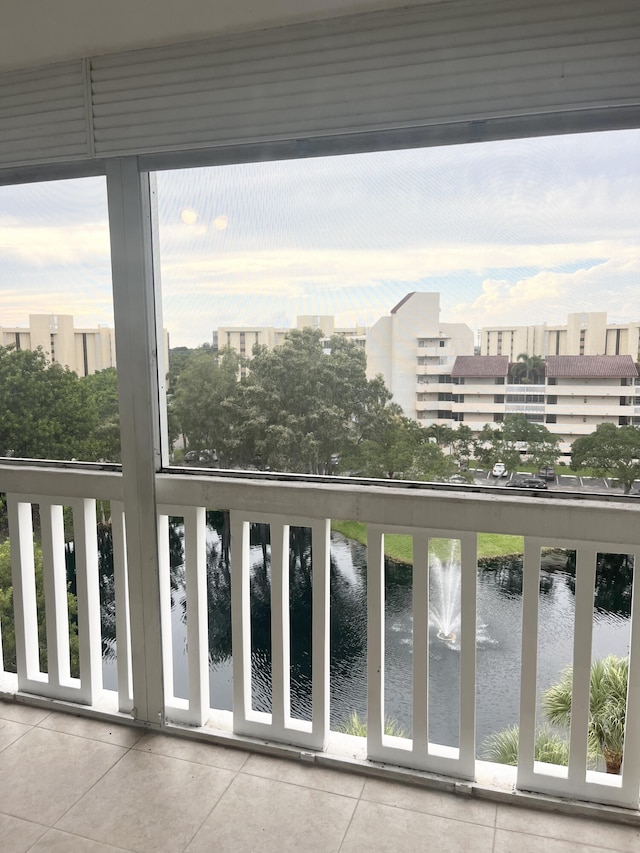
(415, 354)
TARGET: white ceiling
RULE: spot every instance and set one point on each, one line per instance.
(39, 32)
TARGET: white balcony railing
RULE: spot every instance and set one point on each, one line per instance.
(587, 527)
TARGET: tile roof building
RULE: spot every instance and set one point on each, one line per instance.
(577, 394)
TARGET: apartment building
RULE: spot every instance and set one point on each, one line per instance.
(585, 333)
(415, 354)
(578, 393)
(84, 351)
(242, 339)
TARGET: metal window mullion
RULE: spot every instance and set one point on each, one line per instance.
(136, 317)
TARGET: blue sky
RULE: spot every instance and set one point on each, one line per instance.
(508, 232)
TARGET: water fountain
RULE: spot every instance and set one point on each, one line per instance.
(444, 594)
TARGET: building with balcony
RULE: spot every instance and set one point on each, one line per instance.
(585, 333)
(415, 354)
(579, 392)
(120, 90)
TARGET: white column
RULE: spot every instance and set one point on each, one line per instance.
(137, 318)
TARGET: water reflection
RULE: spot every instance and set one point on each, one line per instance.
(498, 640)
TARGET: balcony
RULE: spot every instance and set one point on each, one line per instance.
(74, 783)
(145, 666)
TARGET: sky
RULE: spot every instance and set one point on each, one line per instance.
(521, 231)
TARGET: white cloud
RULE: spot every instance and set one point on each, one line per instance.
(612, 286)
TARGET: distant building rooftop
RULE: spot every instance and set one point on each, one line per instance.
(591, 367)
(477, 366)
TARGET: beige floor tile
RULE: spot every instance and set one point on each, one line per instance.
(307, 775)
(148, 802)
(438, 803)
(93, 729)
(44, 773)
(191, 750)
(273, 817)
(22, 713)
(17, 836)
(10, 731)
(377, 828)
(55, 841)
(622, 839)
(517, 842)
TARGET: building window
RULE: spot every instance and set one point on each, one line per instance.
(498, 398)
(552, 400)
(498, 418)
(499, 380)
(551, 419)
(443, 343)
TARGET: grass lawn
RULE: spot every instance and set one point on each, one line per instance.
(401, 547)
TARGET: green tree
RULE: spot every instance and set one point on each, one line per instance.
(549, 747)
(528, 369)
(391, 451)
(104, 443)
(307, 403)
(46, 412)
(204, 401)
(611, 451)
(462, 445)
(539, 445)
(431, 464)
(7, 615)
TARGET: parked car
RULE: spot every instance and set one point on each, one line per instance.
(499, 470)
(547, 473)
(527, 483)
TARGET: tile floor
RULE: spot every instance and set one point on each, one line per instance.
(70, 784)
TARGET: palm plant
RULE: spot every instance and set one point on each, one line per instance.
(607, 707)
(607, 712)
(527, 368)
(502, 747)
(356, 726)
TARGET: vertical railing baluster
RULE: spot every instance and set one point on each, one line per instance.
(88, 597)
(631, 760)
(529, 659)
(55, 593)
(123, 623)
(164, 579)
(586, 558)
(421, 644)
(375, 639)
(240, 619)
(280, 648)
(24, 590)
(320, 661)
(197, 626)
(469, 570)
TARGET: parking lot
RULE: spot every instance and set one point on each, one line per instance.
(562, 483)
